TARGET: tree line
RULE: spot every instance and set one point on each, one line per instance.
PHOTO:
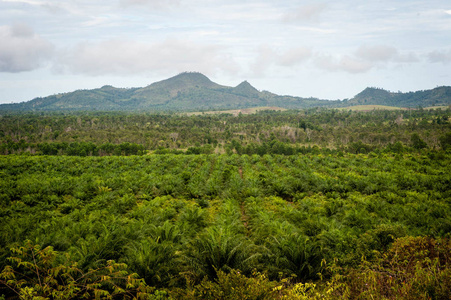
(266, 132)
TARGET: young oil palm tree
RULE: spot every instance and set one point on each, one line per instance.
(294, 253)
(220, 248)
(156, 261)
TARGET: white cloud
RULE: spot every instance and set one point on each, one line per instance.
(121, 57)
(316, 30)
(346, 64)
(50, 6)
(304, 39)
(305, 13)
(361, 60)
(150, 3)
(364, 59)
(442, 56)
(383, 54)
(21, 49)
(294, 56)
(407, 58)
(377, 53)
(267, 56)
(31, 2)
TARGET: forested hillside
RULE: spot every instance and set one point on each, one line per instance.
(265, 132)
(373, 96)
(191, 91)
(315, 204)
(184, 92)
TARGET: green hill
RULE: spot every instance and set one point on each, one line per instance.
(189, 91)
(246, 89)
(373, 96)
(192, 91)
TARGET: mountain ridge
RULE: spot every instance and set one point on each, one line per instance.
(424, 98)
(193, 91)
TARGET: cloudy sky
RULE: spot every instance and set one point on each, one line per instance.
(325, 49)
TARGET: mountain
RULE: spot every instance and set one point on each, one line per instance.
(246, 89)
(374, 96)
(164, 91)
(192, 91)
(189, 91)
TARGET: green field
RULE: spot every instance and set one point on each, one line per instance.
(366, 108)
(444, 107)
(169, 215)
(370, 108)
(235, 112)
(312, 204)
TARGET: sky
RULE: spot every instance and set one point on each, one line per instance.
(324, 49)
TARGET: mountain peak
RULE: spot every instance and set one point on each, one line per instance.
(107, 87)
(184, 81)
(245, 88)
(373, 90)
(191, 76)
(371, 93)
(374, 96)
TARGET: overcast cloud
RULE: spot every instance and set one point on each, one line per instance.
(440, 56)
(326, 49)
(305, 13)
(21, 49)
(125, 57)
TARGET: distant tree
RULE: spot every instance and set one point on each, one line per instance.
(417, 142)
(445, 140)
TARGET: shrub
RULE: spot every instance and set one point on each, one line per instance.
(413, 268)
(231, 286)
(33, 275)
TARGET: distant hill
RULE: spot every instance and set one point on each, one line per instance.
(246, 89)
(189, 91)
(373, 96)
(192, 91)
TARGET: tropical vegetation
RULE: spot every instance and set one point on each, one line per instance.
(316, 204)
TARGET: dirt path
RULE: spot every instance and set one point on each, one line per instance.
(244, 217)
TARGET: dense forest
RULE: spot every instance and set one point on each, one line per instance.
(266, 132)
(313, 204)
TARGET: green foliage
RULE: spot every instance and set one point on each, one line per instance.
(445, 141)
(417, 142)
(171, 217)
(153, 260)
(233, 285)
(190, 91)
(377, 96)
(33, 275)
(328, 131)
(221, 249)
(413, 268)
(187, 91)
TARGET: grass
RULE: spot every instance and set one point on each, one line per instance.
(253, 110)
(438, 107)
(371, 107)
(235, 112)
